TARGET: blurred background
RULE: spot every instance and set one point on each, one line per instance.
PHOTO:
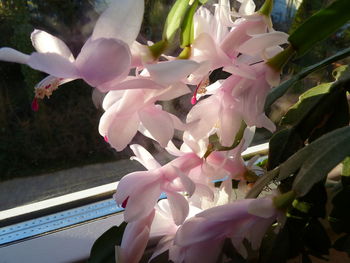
(35, 147)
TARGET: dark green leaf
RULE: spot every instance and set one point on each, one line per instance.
(316, 238)
(343, 244)
(340, 214)
(321, 156)
(320, 26)
(307, 102)
(174, 19)
(282, 145)
(187, 26)
(103, 250)
(281, 89)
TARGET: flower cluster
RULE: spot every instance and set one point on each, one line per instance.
(197, 217)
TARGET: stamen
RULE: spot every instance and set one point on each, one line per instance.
(125, 202)
(105, 138)
(35, 105)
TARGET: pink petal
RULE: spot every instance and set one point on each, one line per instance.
(44, 42)
(158, 123)
(172, 92)
(142, 202)
(136, 83)
(163, 245)
(135, 239)
(121, 130)
(144, 157)
(12, 55)
(103, 60)
(262, 207)
(230, 122)
(169, 72)
(111, 98)
(121, 20)
(178, 206)
(259, 43)
(53, 64)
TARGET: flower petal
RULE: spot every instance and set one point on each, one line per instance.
(178, 206)
(12, 55)
(169, 72)
(44, 42)
(103, 60)
(121, 130)
(144, 157)
(158, 123)
(53, 64)
(258, 43)
(136, 83)
(121, 20)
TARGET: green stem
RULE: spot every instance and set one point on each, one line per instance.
(262, 182)
(266, 8)
(284, 201)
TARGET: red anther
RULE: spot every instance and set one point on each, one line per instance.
(105, 138)
(35, 105)
(125, 202)
(47, 86)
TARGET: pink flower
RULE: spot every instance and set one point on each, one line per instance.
(200, 238)
(135, 240)
(138, 192)
(105, 57)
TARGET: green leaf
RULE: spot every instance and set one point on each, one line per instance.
(282, 145)
(320, 26)
(281, 89)
(174, 19)
(321, 156)
(103, 250)
(203, 1)
(346, 167)
(187, 26)
(307, 102)
(343, 244)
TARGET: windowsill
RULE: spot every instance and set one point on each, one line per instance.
(65, 236)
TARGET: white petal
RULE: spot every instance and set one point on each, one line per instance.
(174, 91)
(53, 64)
(12, 55)
(158, 123)
(112, 97)
(178, 206)
(121, 131)
(144, 157)
(258, 43)
(44, 42)
(121, 20)
(169, 72)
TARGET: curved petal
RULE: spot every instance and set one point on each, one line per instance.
(103, 60)
(158, 123)
(258, 43)
(142, 202)
(121, 20)
(44, 42)
(53, 64)
(121, 130)
(169, 72)
(174, 91)
(112, 97)
(178, 206)
(12, 55)
(144, 157)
